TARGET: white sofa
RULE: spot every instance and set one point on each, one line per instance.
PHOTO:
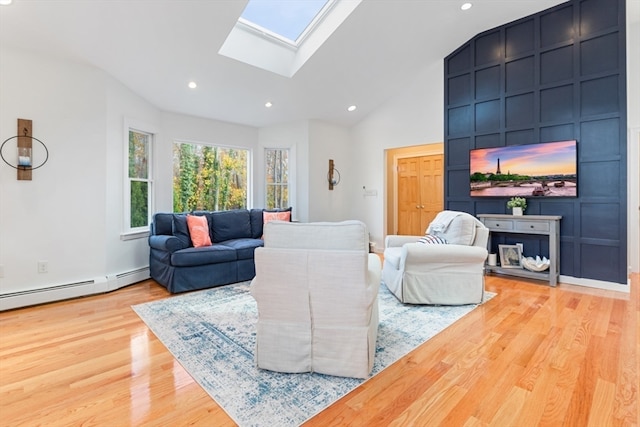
(316, 287)
(445, 274)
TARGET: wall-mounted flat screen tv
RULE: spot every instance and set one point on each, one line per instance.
(547, 169)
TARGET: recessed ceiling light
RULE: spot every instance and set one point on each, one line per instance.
(5, 2)
(352, 108)
(268, 104)
(192, 85)
(466, 6)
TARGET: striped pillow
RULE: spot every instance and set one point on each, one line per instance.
(431, 239)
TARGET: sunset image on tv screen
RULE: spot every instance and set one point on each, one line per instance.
(533, 170)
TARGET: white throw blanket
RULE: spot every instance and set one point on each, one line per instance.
(442, 221)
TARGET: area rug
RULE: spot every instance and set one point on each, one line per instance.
(212, 334)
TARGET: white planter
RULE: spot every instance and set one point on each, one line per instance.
(517, 211)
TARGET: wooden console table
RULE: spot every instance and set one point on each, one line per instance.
(548, 225)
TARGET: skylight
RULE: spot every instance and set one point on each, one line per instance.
(285, 19)
(281, 35)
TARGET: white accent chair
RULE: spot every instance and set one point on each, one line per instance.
(316, 286)
(444, 274)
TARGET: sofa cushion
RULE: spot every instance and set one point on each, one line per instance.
(181, 229)
(198, 230)
(256, 223)
(244, 247)
(163, 224)
(229, 225)
(205, 255)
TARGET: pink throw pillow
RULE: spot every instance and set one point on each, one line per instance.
(276, 216)
(198, 230)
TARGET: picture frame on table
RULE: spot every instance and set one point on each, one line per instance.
(510, 256)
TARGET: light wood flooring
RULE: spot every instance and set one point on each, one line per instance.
(531, 356)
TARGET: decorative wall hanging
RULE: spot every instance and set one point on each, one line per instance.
(333, 176)
(24, 150)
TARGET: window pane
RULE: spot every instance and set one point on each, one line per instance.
(139, 204)
(285, 18)
(138, 154)
(209, 178)
(277, 178)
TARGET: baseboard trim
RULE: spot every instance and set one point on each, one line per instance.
(65, 291)
(598, 284)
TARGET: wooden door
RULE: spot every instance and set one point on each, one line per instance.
(431, 189)
(420, 192)
(408, 195)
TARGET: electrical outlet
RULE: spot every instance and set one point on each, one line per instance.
(43, 266)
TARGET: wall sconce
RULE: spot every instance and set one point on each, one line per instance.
(333, 176)
(24, 150)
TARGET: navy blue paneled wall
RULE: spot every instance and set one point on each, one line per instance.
(556, 75)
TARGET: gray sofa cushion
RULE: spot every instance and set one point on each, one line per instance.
(244, 247)
(229, 225)
(256, 223)
(181, 230)
(163, 224)
(205, 255)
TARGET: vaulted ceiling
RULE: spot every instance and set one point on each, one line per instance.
(155, 47)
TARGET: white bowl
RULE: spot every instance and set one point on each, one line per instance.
(536, 264)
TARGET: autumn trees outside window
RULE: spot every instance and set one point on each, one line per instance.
(209, 177)
(139, 180)
(277, 178)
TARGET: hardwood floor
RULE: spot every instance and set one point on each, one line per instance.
(531, 356)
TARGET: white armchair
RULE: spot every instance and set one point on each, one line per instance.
(316, 287)
(446, 274)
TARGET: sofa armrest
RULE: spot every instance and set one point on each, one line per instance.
(393, 240)
(166, 243)
(374, 267)
(374, 276)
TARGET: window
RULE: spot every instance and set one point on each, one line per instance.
(277, 178)
(209, 178)
(285, 19)
(139, 180)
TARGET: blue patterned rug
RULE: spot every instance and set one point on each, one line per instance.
(212, 334)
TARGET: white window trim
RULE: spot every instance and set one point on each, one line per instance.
(128, 232)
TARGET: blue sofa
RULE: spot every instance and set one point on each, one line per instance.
(180, 267)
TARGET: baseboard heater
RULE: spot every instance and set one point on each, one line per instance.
(48, 294)
(117, 281)
(61, 292)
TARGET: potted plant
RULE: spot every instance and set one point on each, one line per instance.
(517, 205)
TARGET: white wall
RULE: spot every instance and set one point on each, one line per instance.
(59, 216)
(71, 213)
(124, 109)
(413, 117)
(330, 142)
